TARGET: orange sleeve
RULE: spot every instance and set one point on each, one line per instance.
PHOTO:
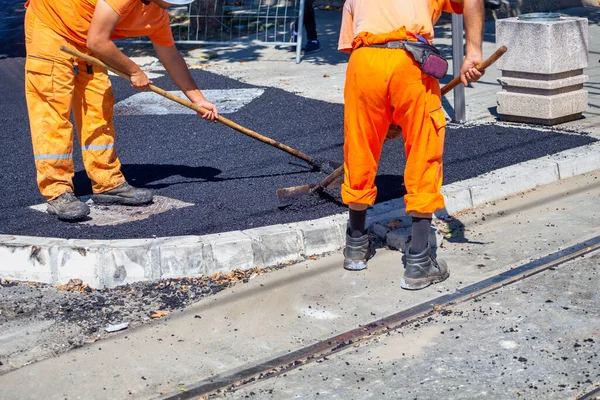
(347, 30)
(437, 6)
(163, 36)
(452, 7)
(120, 6)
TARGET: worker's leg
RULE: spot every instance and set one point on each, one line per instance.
(423, 133)
(49, 89)
(422, 123)
(367, 117)
(49, 77)
(93, 105)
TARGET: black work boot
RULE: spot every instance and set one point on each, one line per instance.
(422, 270)
(68, 207)
(124, 195)
(357, 252)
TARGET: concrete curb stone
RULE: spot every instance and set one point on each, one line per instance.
(112, 263)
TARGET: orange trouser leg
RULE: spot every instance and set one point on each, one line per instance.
(53, 89)
(49, 91)
(93, 105)
(385, 86)
(423, 133)
(367, 116)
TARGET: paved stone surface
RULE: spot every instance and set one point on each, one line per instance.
(295, 306)
(518, 342)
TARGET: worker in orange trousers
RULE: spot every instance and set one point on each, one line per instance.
(387, 85)
(57, 84)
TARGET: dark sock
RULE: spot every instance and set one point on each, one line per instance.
(420, 234)
(357, 223)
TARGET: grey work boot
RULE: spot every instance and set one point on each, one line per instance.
(422, 270)
(68, 207)
(357, 252)
(124, 195)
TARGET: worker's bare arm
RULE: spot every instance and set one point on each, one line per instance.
(104, 21)
(175, 65)
(474, 18)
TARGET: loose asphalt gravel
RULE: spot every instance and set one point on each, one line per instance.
(64, 317)
(230, 177)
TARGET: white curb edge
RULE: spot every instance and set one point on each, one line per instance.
(109, 263)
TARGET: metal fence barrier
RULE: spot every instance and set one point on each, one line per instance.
(235, 21)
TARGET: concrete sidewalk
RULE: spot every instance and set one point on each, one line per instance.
(292, 308)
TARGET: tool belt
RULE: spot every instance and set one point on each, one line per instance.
(432, 63)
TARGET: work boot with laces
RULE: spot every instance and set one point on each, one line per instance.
(422, 270)
(125, 195)
(357, 252)
(68, 207)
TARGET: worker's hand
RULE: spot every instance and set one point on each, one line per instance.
(468, 72)
(212, 114)
(139, 80)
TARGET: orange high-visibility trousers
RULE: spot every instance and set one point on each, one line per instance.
(383, 87)
(53, 89)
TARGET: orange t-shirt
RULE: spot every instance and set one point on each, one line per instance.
(383, 16)
(71, 19)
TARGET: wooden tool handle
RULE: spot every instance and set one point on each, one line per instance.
(339, 171)
(197, 108)
(480, 67)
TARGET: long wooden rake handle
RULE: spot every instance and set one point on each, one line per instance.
(480, 67)
(447, 87)
(255, 135)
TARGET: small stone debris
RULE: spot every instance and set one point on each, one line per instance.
(75, 285)
(159, 314)
(116, 327)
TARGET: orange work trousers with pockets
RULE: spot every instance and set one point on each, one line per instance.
(386, 86)
(53, 89)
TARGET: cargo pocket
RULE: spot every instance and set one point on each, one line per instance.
(436, 136)
(438, 118)
(39, 76)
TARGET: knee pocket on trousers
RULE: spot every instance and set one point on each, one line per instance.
(438, 122)
(438, 118)
(39, 75)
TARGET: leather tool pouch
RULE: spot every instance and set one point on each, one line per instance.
(432, 63)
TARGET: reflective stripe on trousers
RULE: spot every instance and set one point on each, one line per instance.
(53, 89)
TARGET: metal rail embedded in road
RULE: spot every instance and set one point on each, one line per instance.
(279, 365)
(593, 395)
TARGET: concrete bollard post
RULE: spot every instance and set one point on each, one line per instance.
(542, 71)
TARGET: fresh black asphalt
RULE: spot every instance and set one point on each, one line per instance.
(230, 177)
